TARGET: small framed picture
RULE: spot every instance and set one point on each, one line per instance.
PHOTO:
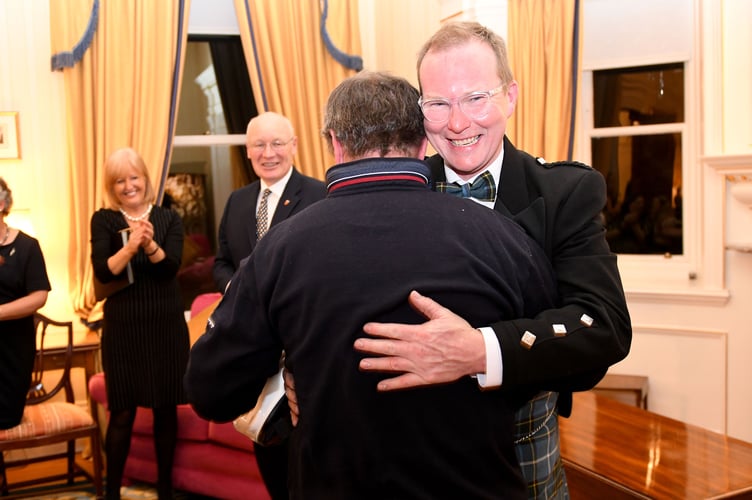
(10, 143)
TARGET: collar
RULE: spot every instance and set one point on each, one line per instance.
(279, 186)
(494, 167)
(377, 170)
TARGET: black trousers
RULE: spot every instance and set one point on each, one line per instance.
(272, 463)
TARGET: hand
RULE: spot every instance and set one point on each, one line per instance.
(439, 351)
(292, 399)
(141, 235)
(145, 229)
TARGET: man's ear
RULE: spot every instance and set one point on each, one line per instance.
(423, 148)
(511, 93)
(339, 150)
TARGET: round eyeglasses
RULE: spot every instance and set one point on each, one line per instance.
(475, 105)
(276, 145)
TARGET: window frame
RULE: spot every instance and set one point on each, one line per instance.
(689, 275)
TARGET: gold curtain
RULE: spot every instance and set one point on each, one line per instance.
(541, 53)
(291, 71)
(121, 93)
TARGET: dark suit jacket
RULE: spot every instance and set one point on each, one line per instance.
(237, 229)
(559, 205)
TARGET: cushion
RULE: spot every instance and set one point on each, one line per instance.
(98, 389)
(190, 425)
(48, 418)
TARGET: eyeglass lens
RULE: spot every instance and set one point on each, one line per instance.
(474, 106)
(276, 145)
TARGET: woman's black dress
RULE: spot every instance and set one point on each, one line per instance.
(22, 271)
(145, 340)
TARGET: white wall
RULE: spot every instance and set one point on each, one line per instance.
(39, 181)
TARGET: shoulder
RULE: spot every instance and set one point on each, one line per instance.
(306, 180)
(105, 213)
(27, 241)
(29, 250)
(562, 164)
(163, 213)
(559, 174)
(308, 188)
(243, 195)
(107, 217)
(246, 189)
(537, 165)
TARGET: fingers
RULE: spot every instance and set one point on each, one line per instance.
(143, 234)
(292, 400)
(289, 379)
(380, 346)
(404, 381)
(386, 331)
(425, 306)
(294, 411)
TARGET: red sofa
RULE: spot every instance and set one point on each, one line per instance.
(210, 459)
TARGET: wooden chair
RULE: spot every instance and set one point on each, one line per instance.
(48, 420)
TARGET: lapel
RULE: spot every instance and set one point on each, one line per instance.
(528, 209)
(289, 199)
(514, 199)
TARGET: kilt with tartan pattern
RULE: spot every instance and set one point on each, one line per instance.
(537, 447)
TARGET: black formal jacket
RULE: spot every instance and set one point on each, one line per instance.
(309, 287)
(237, 229)
(559, 205)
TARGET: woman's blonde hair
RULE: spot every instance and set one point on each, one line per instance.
(117, 165)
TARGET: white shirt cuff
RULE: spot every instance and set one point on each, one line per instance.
(494, 365)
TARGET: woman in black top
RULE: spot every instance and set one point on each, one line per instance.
(145, 340)
(23, 289)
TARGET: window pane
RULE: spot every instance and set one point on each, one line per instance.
(197, 188)
(643, 213)
(198, 87)
(215, 96)
(638, 96)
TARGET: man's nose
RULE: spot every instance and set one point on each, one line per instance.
(458, 120)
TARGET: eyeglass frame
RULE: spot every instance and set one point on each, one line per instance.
(458, 100)
(276, 145)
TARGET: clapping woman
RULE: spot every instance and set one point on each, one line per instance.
(145, 340)
(23, 289)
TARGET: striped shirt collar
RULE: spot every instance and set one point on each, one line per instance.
(371, 170)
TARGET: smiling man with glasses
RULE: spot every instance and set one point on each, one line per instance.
(564, 349)
(280, 193)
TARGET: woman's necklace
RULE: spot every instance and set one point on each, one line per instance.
(7, 233)
(140, 217)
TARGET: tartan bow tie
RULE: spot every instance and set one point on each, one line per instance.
(483, 188)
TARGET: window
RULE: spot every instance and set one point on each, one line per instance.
(636, 143)
(209, 159)
(632, 42)
(637, 131)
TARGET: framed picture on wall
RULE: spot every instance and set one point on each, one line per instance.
(10, 145)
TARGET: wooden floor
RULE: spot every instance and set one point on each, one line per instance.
(46, 468)
(51, 467)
